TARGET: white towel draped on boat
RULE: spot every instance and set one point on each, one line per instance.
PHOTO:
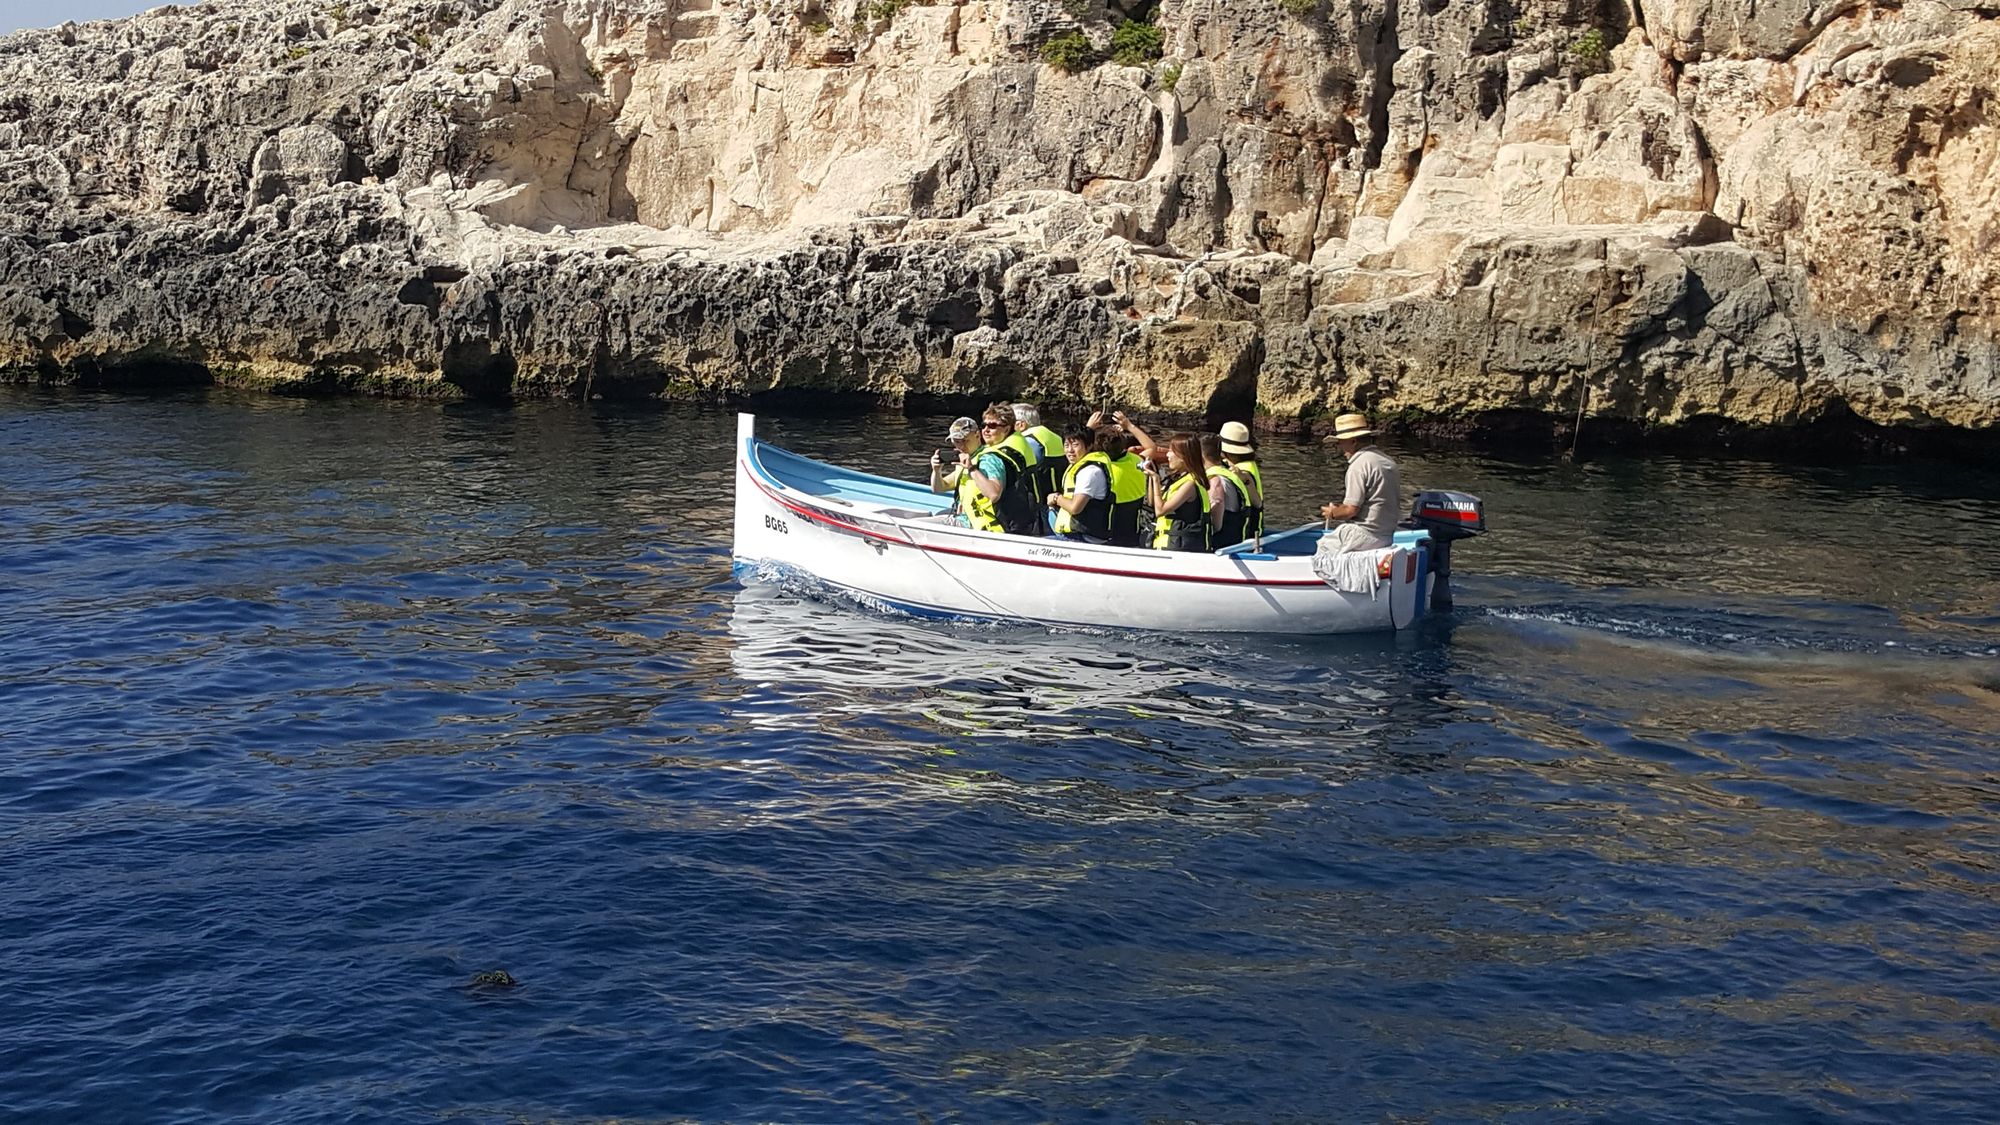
(1350, 572)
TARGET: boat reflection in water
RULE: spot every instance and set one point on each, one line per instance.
(1092, 722)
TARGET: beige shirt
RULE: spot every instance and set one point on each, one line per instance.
(1375, 486)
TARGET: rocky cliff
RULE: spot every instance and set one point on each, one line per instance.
(1762, 212)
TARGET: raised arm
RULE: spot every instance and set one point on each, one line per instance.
(1144, 439)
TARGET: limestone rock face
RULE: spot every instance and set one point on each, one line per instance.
(1677, 210)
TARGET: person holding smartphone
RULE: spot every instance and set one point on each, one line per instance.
(965, 441)
(1180, 503)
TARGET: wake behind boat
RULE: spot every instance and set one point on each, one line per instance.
(896, 542)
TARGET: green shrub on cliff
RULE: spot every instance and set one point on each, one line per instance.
(1299, 8)
(1170, 76)
(1070, 53)
(1590, 52)
(1135, 44)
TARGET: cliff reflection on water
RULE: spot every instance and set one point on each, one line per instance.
(312, 710)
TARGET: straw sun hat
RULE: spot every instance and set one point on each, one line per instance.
(1349, 426)
(1236, 438)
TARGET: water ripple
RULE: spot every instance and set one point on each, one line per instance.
(315, 711)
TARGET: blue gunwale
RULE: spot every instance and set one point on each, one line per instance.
(785, 469)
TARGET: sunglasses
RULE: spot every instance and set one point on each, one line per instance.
(992, 425)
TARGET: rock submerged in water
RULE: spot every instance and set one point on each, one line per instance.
(1449, 213)
(493, 978)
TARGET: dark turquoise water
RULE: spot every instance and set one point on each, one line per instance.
(310, 712)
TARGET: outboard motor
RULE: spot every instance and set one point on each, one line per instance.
(1449, 517)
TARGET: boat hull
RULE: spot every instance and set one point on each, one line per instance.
(887, 542)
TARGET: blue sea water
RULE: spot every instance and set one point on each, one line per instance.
(311, 712)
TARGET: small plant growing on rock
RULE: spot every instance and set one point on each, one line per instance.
(1590, 52)
(422, 39)
(1070, 53)
(816, 25)
(1170, 76)
(885, 9)
(298, 51)
(1135, 44)
(1300, 8)
(1081, 9)
(339, 13)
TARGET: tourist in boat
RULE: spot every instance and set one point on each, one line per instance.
(1229, 496)
(1021, 505)
(1180, 502)
(1048, 467)
(1240, 451)
(1128, 488)
(1131, 448)
(1082, 510)
(1374, 489)
(965, 443)
(977, 481)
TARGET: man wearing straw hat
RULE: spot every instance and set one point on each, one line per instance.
(1374, 489)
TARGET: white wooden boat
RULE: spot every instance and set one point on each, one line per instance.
(894, 543)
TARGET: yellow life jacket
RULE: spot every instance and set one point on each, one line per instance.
(1128, 499)
(1094, 520)
(1048, 473)
(1184, 528)
(1013, 513)
(1020, 511)
(980, 513)
(1231, 532)
(1050, 442)
(1253, 523)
